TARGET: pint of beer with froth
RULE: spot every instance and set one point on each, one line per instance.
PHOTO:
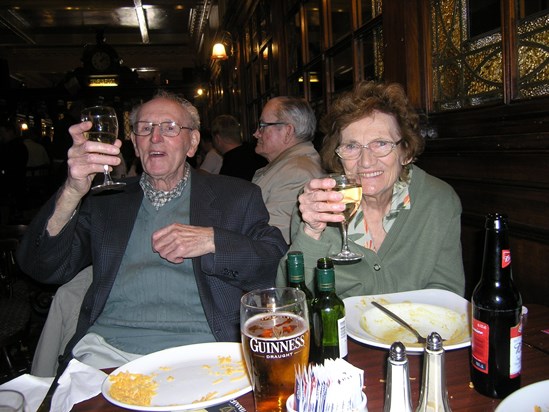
(274, 325)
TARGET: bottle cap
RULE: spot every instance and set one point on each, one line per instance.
(496, 221)
(295, 266)
(325, 263)
(325, 276)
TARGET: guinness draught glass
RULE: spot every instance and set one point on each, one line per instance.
(274, 325)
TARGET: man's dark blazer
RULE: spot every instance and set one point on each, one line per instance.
(248, 250)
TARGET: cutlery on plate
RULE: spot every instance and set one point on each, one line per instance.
(398, 319)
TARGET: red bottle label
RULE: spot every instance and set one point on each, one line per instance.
(515, 354)
(480, 348)
(480, 345)
(505, 258)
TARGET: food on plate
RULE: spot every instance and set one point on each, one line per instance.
(133, 388)
(208, 397)
(226, 367)
(425, 318)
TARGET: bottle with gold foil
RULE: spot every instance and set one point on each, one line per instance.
(329, 329)
(296, 274)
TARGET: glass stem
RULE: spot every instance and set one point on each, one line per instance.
(345, 247)
(108, 179)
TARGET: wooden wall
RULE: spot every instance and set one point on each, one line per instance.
(497, 159)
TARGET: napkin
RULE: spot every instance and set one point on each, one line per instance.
(78, 383)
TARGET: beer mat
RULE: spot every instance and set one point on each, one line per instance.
(184, 378)
(231, 406)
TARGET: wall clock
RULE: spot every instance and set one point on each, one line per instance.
(101, 60)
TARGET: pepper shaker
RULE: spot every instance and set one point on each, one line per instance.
(397, 387)
(434, 394)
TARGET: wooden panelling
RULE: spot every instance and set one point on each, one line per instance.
(497, 160)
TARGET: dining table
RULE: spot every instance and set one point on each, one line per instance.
(461, 393)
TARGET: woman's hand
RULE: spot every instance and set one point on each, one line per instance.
(320, 205)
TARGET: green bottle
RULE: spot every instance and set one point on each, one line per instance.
(329, 331)
(296, 275)
(296, 279)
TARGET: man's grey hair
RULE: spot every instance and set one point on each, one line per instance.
(188, 106)
(297, 112)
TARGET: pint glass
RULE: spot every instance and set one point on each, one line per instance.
(274, 325)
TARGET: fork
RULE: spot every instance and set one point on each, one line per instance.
(398, 319)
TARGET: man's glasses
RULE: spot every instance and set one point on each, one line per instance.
(262, 125)
(167, 129)
(378, 148)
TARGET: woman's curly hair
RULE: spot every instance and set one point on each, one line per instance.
(365, 98)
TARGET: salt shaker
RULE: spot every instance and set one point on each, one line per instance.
(434, 395)
(397, 388)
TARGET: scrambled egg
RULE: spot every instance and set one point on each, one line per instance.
(133, 388)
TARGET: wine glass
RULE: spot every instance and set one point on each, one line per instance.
(105, 130)
(11, 401)
(351, 188)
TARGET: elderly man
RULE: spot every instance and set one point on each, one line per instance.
(172, 254)
(284, 134)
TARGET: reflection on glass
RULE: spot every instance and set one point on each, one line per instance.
(342, 23)
(295, 59)
(371, 50)
(342, 69)
(312, 17)
(368, 9)
(484, 16)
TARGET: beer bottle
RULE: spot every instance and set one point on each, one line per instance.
(496, 338)
(329, 330)
(433, 396)
(398, 396)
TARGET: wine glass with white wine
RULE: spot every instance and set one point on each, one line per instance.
(105, 130)
(351, 188)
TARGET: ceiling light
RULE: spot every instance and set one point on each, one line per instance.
(141, 20)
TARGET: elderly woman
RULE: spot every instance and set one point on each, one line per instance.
(408, 223)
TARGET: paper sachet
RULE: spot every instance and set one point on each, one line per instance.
(335, 386)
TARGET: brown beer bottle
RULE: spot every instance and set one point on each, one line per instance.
(329, 329)
(496, 338)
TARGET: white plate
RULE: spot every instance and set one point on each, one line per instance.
(428, 310)
(186, 374)
(527, 399)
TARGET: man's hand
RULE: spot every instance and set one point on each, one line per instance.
(177, 242)
(87, 158)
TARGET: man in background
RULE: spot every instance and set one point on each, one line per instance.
(239, 158)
